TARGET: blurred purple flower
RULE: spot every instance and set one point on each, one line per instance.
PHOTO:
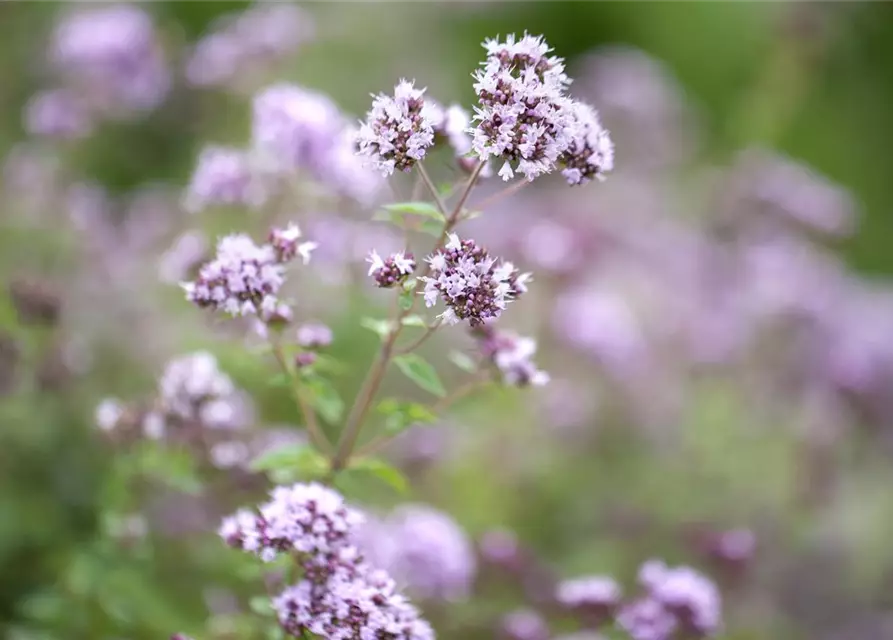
(224, 176)
(111, 56)
(523, 624)
(242, 46)
(424, 549)
(57, 113)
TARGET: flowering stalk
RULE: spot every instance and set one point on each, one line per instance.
(374, 377)
(317, 436)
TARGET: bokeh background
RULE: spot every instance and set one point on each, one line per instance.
(715, 319)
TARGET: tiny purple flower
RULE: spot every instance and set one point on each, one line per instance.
(224, 176)
(314, 335)
(285, 244)
(470, 282)
(391, 271)
(398, 130)
(58, 113)
(591, 152)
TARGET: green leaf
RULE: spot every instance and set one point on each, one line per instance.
(383, 471)
(377, 326)
(414, 320)
(326, 399)
(281, 379)
(422, 209)
(421, 372)
(400, 415)
(292, 462)
(261, 606)
(463, 361)
(431, 228)
(328, 364)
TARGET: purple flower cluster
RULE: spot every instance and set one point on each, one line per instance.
(470, 282)
(244, 278)
(353, 602)
(110, 56)
(524, 624)
(58, 113)
(295, 129)
(192, 393)
(678, 602)
(227, 177)
(340, 596)
(287, 245)
(590, 153)
(391, 271)
(244, 45)
(193, 388)
(593, 598)
(308, 519)
(398, 130)
(424, 549)
(314, 335)
(511, 355)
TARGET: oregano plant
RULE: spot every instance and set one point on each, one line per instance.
(316, 575)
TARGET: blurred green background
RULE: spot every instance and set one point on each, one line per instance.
(813, 80)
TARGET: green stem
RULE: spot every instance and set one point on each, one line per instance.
(423, 174)
(375, 376)
(444, 403)
(317, 436)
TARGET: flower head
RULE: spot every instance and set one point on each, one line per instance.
(524, 114)
(243, 279)
(677, 599)
(354, 602)
(191, 385)
(390, 271)
(423, 549)
(524, 624)
(594, 598)
(309, 519)
(687, 594)
(244, 45)
(58, 113)
(398, 130)
(314, 335)
(341, 596)
(512, 355)
(470, 282)
(224, 176)
(591, 152)
(285, 244)
(112, 56)
(295, 127)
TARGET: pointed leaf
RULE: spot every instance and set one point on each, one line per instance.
(380, 327)
(463, 361)
(400, 416)
(421, 372)
(292, 461)
(383, 471)
(326, 400)
(431, 228)
(414, 320)
(422, 209)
